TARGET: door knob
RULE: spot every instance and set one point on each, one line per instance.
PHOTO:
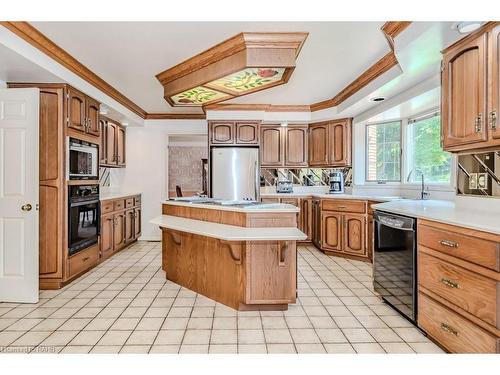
(26, 207)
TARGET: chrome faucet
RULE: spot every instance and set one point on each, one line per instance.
(423, 194)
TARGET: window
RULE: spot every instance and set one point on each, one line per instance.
(425, 154)
(383, 156)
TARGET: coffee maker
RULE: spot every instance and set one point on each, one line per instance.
(336, 182)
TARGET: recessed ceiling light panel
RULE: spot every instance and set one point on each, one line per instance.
(466, 27)
(378, 99)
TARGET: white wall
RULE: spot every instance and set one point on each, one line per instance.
(3, 85)
(147, 165)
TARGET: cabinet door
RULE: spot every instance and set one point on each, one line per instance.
(354, 234)
(493, 111)
(129, 226)
(271, 148)
(137, 223)
(247, 133)
(318, 145)
(296, 146)
(222, 132)
(463, 112)
(306, 211)
(92, 110)
(76, 111)
(316, 223)
(102, 148)
(119, 231)
(107, 235)
(120, 146)
(340, 144)
(331, 231)
(111, 134)
(371, 237)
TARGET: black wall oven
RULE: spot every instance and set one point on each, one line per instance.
(395, 262)
(83, 217)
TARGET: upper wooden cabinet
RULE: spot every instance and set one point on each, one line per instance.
(234, 132)
(330, 143)
(296, 146)
(469, 96)
(271, 146)
(82, 112)
(283, 146)
(113, 141)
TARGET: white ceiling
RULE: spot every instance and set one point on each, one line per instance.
(128, 55)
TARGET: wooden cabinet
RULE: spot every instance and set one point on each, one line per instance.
(247, 133)
(233, 132)
(331, 231)
(120, 224)
(306, 217)
(354, 232)
(316, 222)
(330, 143)
(113, 141)
(458, 287)
(271, 146)
(284, 146)
(82, 112)
(470, 80)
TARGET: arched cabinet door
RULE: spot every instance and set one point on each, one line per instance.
(271, 148)
(464, 85)
(331, 232)
(318, 145)
(354, 234)
(247, 133)
(222, 132)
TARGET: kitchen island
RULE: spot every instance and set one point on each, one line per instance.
(242, 256)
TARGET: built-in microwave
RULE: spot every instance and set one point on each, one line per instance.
(82, 160)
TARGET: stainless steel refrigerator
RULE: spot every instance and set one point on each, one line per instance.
(235, 173)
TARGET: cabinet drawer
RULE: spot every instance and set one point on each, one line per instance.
(453, 331)
(472, 249)
(292, 201)
(137, 200)
(106, 206)
(83, 260)
(470, 291)
(344, 205)
(129, 202)
(119, 204)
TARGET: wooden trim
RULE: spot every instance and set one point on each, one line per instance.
(391, 29)
(175, 116)
(38, 40)
(373, 72)
(258, 107)
(230, 47)
(486, 27)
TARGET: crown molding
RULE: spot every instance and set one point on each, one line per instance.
(175, 116)
(38, 40)
(392, 29)
(257, 107)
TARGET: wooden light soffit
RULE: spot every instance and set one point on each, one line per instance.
(244, 53)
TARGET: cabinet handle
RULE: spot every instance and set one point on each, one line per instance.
(450, 283)
(85, 259)
(479, 122)
(342, 207)
(493, 119)
(445, 327)
(448, 243)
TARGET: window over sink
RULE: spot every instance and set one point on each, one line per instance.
(383, 152)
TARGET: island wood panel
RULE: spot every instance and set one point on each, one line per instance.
(452, 331)
(204, 265)
(206, 214)
(470, 291)
(461, 243)
(271, 272)
(269, 219)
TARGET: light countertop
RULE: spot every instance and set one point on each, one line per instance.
(379, 198)
(116, 195)
(257, 208)
(444, 212)
(228, 232)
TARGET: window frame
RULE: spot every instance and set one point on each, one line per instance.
(407, 168)
(401, 164)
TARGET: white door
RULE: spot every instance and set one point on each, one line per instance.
(19, 195)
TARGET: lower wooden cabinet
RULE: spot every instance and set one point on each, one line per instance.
(459, 289)
(304, 217)
(331, 231)
(354, 233)
(120, 224)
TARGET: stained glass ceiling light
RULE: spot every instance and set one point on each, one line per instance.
(245, 63)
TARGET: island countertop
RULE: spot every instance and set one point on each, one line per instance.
(228, 232)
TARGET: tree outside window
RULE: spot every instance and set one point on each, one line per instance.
(383, 156)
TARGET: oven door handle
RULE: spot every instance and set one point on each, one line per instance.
(395, 227)
(82, 203)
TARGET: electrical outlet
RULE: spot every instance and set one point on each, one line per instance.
(473, 181)
(482, 181)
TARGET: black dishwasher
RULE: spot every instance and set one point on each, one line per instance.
(395, 262)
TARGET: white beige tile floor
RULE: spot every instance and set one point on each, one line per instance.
(125, 305)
